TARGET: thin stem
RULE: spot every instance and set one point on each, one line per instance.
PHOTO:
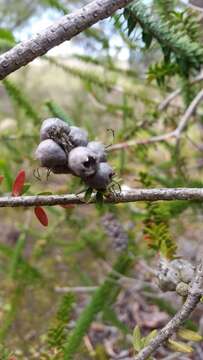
(164, 104)
(173, 134)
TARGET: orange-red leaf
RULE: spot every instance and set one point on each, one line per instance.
(41, 215)
(18, 183)
(1, 178)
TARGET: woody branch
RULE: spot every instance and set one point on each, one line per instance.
(124, 196)
(64, 29)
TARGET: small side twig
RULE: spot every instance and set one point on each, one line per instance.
(194, 294)
(75, 289)
(166, 102)
(188, 113)
(177, 133)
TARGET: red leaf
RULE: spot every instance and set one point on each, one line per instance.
(18, 183)
(1, 178)
(68, 206)
(41, 215)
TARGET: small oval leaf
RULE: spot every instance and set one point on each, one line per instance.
(18, 183)
(189, 335)
(41, 215)
(137, 343)
(179, 346)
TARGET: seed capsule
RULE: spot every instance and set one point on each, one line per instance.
(50, 154)
(102, 178)
(99, 149)
(78, 136)
(82, 161)
(53, 128)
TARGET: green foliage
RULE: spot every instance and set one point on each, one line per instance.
(165, 7)
(23, 268)
(109, 316)
(111, 93)
(56, 4)
(57, 111)
(7, 39)
(7, 35)
(58, 333)
(5, 353)
(140, 342)
(106, 63)
(87, 76)
(157, 231)
(21, 99)
(65, 308)
(13, 306)
(5, 171)
(176, 43)
(17, 254)
(157, 225)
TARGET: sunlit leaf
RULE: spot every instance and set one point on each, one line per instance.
(189, 335)
(180, 346)
(137, 343)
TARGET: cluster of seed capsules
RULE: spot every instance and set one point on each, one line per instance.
(65, 149)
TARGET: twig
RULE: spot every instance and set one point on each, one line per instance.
(153, 139)
(173, 134)
(164, 104)
(124, 196)
(175, 357)
(194, 294)
(75, 289)
(89, 346)
(195, 7)
(64, 29)
(188, 113)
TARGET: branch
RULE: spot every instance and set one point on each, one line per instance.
(75, 289)
(173, 134)
(194, 294)
(164, 104)
(153, 139)
(64, 29)
(188, 113)
(124, 196)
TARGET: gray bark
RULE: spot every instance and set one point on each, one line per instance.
(64, 29)
(193, 298)
(113, 198)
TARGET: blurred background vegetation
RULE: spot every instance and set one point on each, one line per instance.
(113, 76)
